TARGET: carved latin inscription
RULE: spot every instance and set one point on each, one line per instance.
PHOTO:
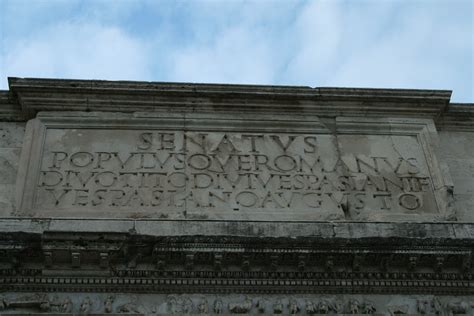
(213, 174)
(231, 175)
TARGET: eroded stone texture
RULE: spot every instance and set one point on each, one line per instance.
(11, 134)
(11, 139)
(457, 149)
(205, 304)
(359, 172)
(161, 198)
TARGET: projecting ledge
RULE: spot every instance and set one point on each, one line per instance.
(294, 230)
(132, 96)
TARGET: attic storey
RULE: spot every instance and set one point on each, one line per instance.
(170, 198)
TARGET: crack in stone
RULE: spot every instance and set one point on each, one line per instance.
(333, 129)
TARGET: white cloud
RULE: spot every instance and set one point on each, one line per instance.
(318, 32)
(73, 50)
(235, 42)
(237, 56)
(425, 47)
(420, 44)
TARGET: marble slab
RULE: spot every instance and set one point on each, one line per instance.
(216, 167)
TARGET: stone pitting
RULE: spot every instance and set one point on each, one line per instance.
(148, 198)
(123, 166)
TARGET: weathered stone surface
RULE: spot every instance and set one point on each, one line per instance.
(9, 158)
(326, 230)
(10, 110)
(11, 139)
(127, 96)
(254, 304)
(123, 166)
(7, 200)
(458, 117)
(207, 199)
(146, 256)
(11, 134)
(457, 149)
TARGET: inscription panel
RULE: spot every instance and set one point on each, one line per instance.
(141, 171)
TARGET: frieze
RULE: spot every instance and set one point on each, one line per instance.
(203, 304)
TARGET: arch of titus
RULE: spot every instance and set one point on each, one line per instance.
(148, 198)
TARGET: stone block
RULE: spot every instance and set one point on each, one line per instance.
(11, 134)
(9, 158)
(220, 168)
(7, 200)
(464, 207)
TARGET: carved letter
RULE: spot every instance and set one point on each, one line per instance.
(81, 159)
(102, 157)
(58, 199)
(246, 198)
(277, 140)
(409, 201)
(311, 142)
(58, 156)
(252, 141)
(145, 141)
(50, 178)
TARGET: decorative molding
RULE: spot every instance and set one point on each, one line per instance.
(458, 118)
(27, 96)
(451, 233)
(124, 96)
(132, 262)
(153, 266)
(10, 109)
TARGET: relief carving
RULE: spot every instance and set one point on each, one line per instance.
(436, 306)
(187, 305)
(86, 306)
(324, 307)
(338, 306)
(203, 307)
(368, 308)
(398, 309)
(218, 306)
(37, 302)
(55, 304)
(174, 307)
(241, 308)
(128, 308)
(423, 306)
(278, 307)
(67, 305)
(458, 308)
(3, 303)
(261, 305)
(148, 304)
(108, 304)
(354, 306)
(293, 306)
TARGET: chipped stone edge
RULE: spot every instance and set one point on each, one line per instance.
(425, 132)
(325, 230)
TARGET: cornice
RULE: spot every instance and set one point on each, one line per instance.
(27, 96)
(125, 96)
(147, 257)
(401, 231)
(458, 117)
(9, 108)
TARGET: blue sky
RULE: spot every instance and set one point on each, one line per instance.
(426, 44)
